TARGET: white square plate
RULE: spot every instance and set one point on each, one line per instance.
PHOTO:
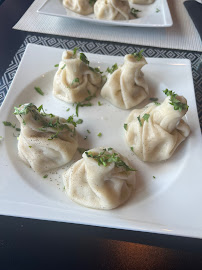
(169, 204)
(148, 17)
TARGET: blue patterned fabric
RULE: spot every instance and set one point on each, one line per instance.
(107, 48)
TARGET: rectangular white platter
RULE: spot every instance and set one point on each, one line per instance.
(148, 17)
(168, 204)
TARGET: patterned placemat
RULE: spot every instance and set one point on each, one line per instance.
(107, 48)
(182, 35)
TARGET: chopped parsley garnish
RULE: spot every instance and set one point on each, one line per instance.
(79, 104)
(54, 136)
(88, 131)
(81, 150)
(44, 119)
(8, 124)
(105, 158)
(134, 12)
(175, 102)
(153, 99)
(92, 2)
(125, 126)
(76, 80)
(90, 96)
(24, 123)
(57, 65)
(139, 120)
(95, 70)
(157, 10)
(75, 50)
(154, 177)
(30, 146)
(132, 149)
(71, 120)
(25, 110)
(112, 69)
(138, 55)
(67, 109)
(99, 134)
(146, 116)
(84, 58)
(38, 89)
(99, 103)
(80, 121)
(40, 108)
(98, 70)
(45, 176)
(63, 66)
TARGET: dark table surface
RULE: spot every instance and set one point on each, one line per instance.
(33, 244)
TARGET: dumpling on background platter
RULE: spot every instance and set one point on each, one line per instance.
(155, 131)
(112, 10)
(142, 2)
(102, 179)
(75, 80)
(83, 7)
(126, 86)
(46, 141)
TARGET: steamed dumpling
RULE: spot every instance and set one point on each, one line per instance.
(46, 141)
(90, 183)
(142, 2)
(155, 131)
(83, 7)
(112, 10)
(126, 87)
(74, 79)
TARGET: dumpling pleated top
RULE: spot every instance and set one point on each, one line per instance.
(126, 86)
(99, 186)
(155, 131)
